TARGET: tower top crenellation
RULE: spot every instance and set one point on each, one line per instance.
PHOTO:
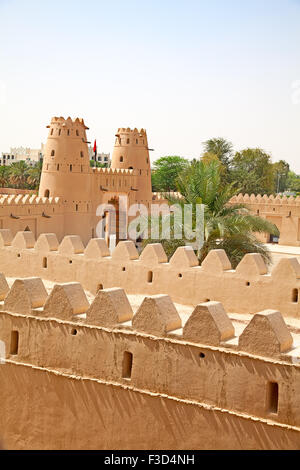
(69, 122)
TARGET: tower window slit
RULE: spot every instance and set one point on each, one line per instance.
(14, 343)
(272, 397)
(127, 365)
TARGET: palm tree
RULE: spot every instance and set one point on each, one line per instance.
(221, 148)
(226, 226)
(4, 176)
(19, 174)
(34, 175)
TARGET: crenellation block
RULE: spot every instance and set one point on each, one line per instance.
(71, 245)
(266, 335)
(110, 307)
(47, 242)
(23, 240)
(25, 295)
(6, 238)
(252, 265)
(154, 254)
(4, 287)
(184, 257)
(65, 301)
(124, 251)
(216, 262)
(96, 248)
(286, 269)
(157, 315)
(209, 324)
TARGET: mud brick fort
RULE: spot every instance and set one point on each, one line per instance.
(114, 349)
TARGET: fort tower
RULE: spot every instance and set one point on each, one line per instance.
(131, 152)
(66, 167)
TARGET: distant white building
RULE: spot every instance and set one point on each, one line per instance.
(16, 154)
(103, 158)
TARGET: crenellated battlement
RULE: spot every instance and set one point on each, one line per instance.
(113, 171)
(121, 340)
(123, 130)
(20, 199)
(248, 289)
(283, 211)
(69, 122)
(266, 335)
(138, 332)
(265, 199)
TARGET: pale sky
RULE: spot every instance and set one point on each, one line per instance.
(186, 70)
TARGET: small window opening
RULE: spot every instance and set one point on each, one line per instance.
(74, 332)
(295, 295)
(123, 269)
(45, 262)
(71, 167)
(202, 355)
(47, 193)
(150, 276)
(272, 397)
(180, 275)
(51, 133)
(52, 153)
(68, 132)
(70, 261)
(14, 343)
(77, 133)
(81, 154)
(127, 365)
(248, 284)
(57, 167)
(100, 287)
(128, 141)
(59, 132)
(121, 159)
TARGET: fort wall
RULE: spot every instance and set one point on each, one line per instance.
(283, 211)
(248, 289)
(68, 412)
(81, 370)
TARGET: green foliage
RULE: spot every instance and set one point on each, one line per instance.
(20, 175)
(231, 227)
(293, 182)
(251, 170)
(281, 171)
(220, 147)
(94, 164)
(165, 173)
